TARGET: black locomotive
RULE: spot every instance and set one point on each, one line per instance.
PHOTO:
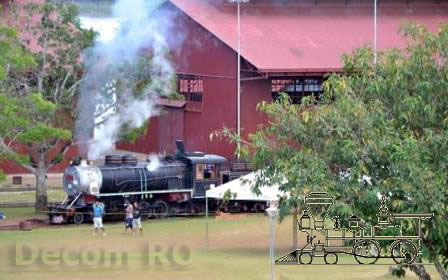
(170, 185)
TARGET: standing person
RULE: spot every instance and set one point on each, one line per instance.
(98, 212)
(137, 221)
(129, 217)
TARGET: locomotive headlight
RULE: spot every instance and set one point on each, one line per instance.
(93, 188)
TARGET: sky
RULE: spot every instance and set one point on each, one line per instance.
(105, 26)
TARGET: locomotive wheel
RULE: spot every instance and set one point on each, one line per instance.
(331, 258)
(192, 210)
(366, 251)
(160, 209)
(236, 207)
(89, 216)
(146, 210)
(259, 207)
(78, 218)
(224, 208)
(305, 258)
(403, 251)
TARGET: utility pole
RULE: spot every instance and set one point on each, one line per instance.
(272, 212)
(238, 2)
(375, 32)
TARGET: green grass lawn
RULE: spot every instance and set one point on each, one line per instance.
(53, 196)
(238, 249)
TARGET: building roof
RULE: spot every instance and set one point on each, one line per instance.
(308, 35)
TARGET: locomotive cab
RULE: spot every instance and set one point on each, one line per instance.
(206, 172)
(204, 169)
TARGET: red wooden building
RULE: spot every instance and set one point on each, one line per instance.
(286, 45)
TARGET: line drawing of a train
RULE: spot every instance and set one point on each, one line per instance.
(360, 241)
(163, 186)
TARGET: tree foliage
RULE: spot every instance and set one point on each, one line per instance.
(378, 129)
(40, 85)
(42, 98)
(13, 57)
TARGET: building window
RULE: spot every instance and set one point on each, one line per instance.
(191, 87)
(297, 88)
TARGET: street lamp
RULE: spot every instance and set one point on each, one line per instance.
(238, 2)
(272, 212)
(374, 28)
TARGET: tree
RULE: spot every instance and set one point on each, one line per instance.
(378, 129)
(12, 58)
(111, 93)
(47, 92)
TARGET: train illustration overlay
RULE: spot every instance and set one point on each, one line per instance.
(357, 240)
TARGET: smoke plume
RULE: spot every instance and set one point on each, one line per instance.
(154, 162)
(106, 96)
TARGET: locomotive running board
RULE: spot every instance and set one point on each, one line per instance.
(148, 192)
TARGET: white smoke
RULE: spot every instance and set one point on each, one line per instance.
(154, 162)
(140, 30)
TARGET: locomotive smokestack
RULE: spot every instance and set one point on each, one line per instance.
(180, 147)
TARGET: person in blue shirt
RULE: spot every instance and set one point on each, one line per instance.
(98, 212)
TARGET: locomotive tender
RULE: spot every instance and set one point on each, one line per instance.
(163, 186)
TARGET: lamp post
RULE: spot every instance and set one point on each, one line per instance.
(272, 212)
(238, 2)
(206, 220)
(374, 32)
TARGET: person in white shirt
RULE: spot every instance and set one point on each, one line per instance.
(136, 221)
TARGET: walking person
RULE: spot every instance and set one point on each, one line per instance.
(98, 212)
(136, 221)
(129, 217)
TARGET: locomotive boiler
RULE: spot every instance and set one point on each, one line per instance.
(169, 185)
(124, 174)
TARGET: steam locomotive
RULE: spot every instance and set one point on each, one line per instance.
(163, 186)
